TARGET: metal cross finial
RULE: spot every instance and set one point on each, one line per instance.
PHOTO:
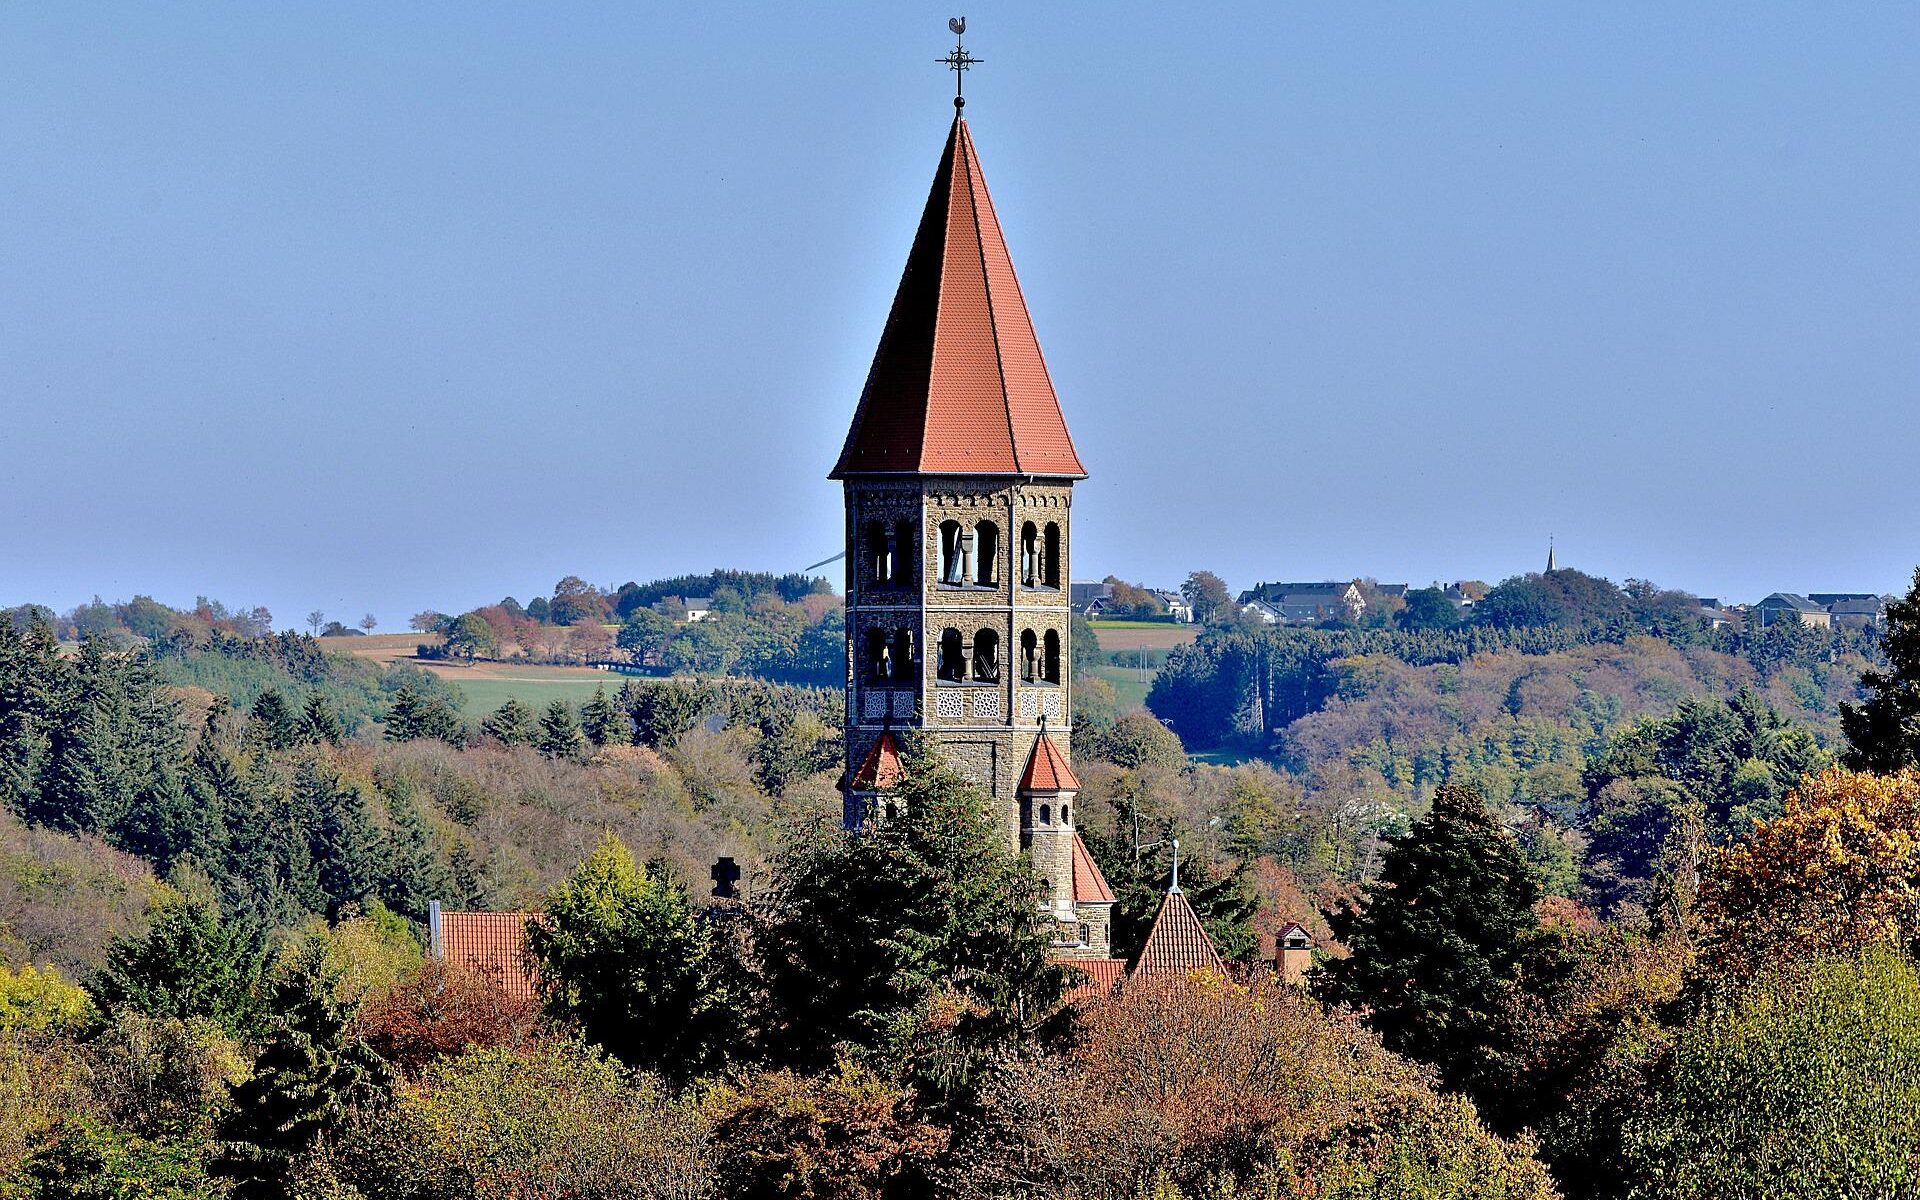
(1175, 885)
(959, 60)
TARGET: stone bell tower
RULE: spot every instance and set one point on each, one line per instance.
(958, 475)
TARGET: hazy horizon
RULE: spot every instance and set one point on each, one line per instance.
(372, 309)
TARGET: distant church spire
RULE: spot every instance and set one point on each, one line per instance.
(1550, 562)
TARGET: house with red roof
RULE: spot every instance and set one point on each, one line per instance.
(492, 945)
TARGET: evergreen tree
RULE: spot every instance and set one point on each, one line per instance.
(865, 929)
(623, 954)
(343, 841)
(267, 861)
(34, 691)
(413, 716)
(319, 724)
(311, 1070)
(272, 723)
(414, 873)
(511, 724)
(188, 963)
(560, 733)
(1883, 731)
(1438, 941)
(87, 787)
(601, 720)
(1225, 903)
(663, 710)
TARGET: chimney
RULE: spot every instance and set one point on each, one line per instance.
(436, 945)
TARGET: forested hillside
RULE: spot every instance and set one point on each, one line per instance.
(1612, 854)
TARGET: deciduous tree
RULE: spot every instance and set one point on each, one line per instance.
(622, 954)
(1839, 870)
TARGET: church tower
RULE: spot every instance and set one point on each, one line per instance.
(958, 475)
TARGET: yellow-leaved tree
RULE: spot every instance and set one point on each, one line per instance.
(1839, 870)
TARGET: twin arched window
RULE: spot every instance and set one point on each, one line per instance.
(1040, 656)
(889, 658)
(969, 556)
(1040, 555)
(886, 552)
(961, 663)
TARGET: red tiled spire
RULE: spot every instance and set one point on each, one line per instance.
(1177, 943)
(958, 385)
(880, 769)
(1048, 769)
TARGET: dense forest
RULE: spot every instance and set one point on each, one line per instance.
(1657, 917)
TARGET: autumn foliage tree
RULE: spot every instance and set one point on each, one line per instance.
(1839, 870)
(1203, 1087)
(439, 1012)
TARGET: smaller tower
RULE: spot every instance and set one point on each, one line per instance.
(1294, 955)
(1550, 563)
(1048, 788)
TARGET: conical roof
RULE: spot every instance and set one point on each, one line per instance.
(1177, 943)
(1048, 769)
(1089, 885)
(881, 769)
(958, 385)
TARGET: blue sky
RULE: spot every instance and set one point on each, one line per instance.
(395, 306)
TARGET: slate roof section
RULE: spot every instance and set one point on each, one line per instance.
(958, 385)
(1048, 769)
(1177, 943)
(880, 769)
(1103, 976)
(1789, 600)
(490, 944)
(1089, 885)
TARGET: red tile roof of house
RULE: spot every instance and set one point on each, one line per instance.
(881, 769)
(1103, 975)
(1177, 943)
(492, 944)
(1089, 885)
(1048, 769)
(958, 385)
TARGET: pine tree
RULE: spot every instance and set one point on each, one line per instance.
(346, 847)
(310, 1072)
(1438, 941)
(864, 929)
(319, 724)
(1883, 731)
(601, 720)
(413, 716)
(403, 716)
(414, 873)
(560, 733)
(188, 963)
(35, 688)
(511, 724)
(1225, 905)
(272, 722)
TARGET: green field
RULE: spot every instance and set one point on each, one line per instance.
(1099, 625)
(487, 688)
(1128, 685)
